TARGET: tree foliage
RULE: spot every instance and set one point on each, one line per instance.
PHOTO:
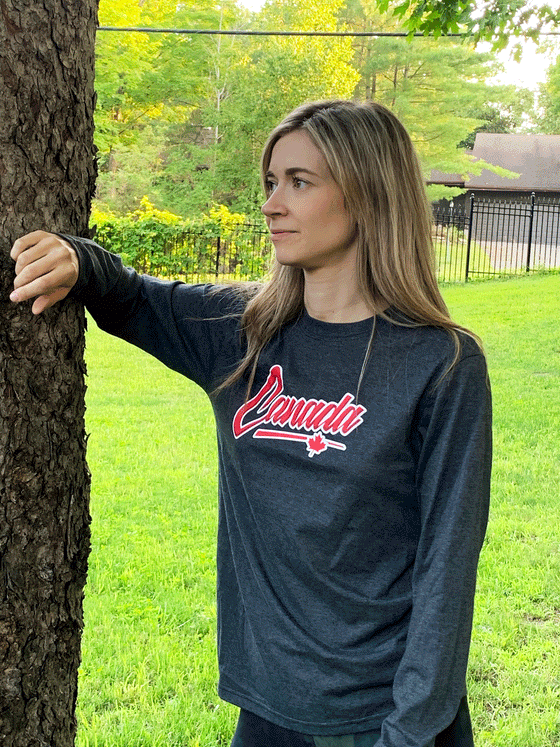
(183, 118)
(549, 101)
(503, 114)
(433, 87)
(493, 20)
(272, 77)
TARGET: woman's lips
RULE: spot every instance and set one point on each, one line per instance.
(278, 233)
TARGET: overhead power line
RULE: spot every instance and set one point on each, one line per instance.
(217, 32)
(220, 32)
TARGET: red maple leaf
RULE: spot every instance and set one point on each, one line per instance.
(316, 444)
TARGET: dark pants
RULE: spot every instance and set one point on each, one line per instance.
(253, 731)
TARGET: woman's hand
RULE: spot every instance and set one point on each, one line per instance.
(46, 269)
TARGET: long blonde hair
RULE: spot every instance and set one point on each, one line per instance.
(371, 157)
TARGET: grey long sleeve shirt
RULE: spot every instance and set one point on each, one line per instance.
(349, 531)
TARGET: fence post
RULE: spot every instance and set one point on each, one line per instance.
(450, 226)
(469, 236)
(530, 237)
(217, 269)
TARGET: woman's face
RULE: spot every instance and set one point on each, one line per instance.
(305, 211)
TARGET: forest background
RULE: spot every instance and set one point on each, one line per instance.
(181, 119)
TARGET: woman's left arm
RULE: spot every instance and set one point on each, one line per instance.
(453, 486)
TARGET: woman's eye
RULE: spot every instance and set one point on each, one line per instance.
(299, 183)
(269, 187)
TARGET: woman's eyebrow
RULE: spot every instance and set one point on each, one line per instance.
(295, 170)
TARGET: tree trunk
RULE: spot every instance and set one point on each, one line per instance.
(47, 176)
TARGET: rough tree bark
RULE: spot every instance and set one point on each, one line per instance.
(47, 175)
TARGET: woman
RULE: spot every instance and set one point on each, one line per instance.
(353, 420)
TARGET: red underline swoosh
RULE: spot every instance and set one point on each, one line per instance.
(289, 436)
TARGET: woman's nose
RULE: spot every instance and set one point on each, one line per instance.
(274, 205)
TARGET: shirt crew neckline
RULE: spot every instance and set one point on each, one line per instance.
(320, 329)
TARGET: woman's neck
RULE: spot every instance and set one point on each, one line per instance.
(335, 297)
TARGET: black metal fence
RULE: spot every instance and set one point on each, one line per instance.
(238, 253)
(496, 238)
(486, 239)
(212, 254)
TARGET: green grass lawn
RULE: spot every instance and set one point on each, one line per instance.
(149, 674)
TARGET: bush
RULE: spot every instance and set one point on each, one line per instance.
(219, 245)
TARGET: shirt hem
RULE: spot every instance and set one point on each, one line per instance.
(327, 729)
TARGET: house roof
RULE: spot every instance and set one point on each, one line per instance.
(536, 158)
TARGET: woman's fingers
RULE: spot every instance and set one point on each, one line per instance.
(44, 302)
(30, 242)
(46, 269)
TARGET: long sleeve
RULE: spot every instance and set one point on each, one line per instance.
(453, 484)
(189, 328)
